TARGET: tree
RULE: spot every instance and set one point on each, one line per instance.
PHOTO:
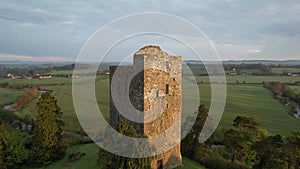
(269, 153)
(48, 145)
(292, 149)
(112, 161)
(244, 123)
(239, 140)
(26, 97)
(190, 144)
(12, 147)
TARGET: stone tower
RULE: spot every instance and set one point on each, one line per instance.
(154, 87)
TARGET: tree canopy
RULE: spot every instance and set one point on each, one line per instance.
(48, 145)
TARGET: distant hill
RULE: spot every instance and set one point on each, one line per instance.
(266, 62)
(19, 62)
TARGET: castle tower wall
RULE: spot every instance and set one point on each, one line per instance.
(156, 90)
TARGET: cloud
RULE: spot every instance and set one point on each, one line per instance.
(253, 51)
(60, 28)
(5, 57)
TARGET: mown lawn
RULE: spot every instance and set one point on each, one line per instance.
(89, 160)
(190, 164)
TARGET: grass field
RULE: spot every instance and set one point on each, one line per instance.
(63, 94)
(285, 70)
(197, 70)
(252, 79)
(296, 88)
(8, 96)
(190, 164)
(51, 81)
(243, 99)
(67, 72)
(257, 102)
(89, 160)
(250, 70)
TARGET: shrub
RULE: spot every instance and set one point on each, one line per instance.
(4, 84)
(219, 163)
(12, 147)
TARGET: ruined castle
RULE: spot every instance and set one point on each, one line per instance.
(154, 87)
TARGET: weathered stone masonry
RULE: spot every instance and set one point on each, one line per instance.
(156, 90)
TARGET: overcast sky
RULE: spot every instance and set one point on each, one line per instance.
(56, 30)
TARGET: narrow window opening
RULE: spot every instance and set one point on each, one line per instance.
(160, 164)
(167, 88)
(167, 64)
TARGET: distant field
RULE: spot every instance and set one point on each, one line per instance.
(67, 72)
(52, 81)
(296, 88)
(285, 70)
(197, 70)
(252, 79)
(242, 99)
(8, 96)
(249, 70)
(254, 101)
(89, 160)
(63, 93)
(201, 70)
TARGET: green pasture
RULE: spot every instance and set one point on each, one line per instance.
(83, 71)
(190, 164)
(200, 69)
(242, 99)
(63, 94)
(285, 70)
(89, 160)
(51, 81)
(8, 96)
(296, 88)
(252, 79)
(253, 101)
(249, 70)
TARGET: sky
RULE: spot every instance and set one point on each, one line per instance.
(240, 30)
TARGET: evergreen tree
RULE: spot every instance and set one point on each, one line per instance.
(292, 149)
(190, 144)
(112, 161)
(48, 146)
(269, 153)
(240, 139)
(12, 147)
